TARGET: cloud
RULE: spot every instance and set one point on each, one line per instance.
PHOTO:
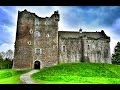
(113, 38)
(116, 26)
(5, 46)
(7, 27)
(91, 15)
(6, 16)
(41, 11)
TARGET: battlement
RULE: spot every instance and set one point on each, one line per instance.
(39, 43)
(55, 15)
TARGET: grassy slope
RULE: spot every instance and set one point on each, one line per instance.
(9, 76)
(79, 73)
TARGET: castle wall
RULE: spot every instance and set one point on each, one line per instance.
(47, 42)
(84, 47)
(72, 51)
(23, 51)
(36, 40)
(70, 48)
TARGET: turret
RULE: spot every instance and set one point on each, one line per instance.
(56, 16)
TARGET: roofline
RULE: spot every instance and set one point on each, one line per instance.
(78, 32)
(83, 32)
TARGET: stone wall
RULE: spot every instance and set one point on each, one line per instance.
(84, 47)
(23, 51)
(38, 39)
(35, 33)
(48, 41)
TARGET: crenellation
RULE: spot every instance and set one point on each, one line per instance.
(38, 40)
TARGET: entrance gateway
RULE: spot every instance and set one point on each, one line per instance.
(37, 65)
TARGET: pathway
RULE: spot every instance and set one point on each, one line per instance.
(26, 79)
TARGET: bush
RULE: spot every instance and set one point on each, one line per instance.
(6, 64)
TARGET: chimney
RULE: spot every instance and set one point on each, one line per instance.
(80, 30)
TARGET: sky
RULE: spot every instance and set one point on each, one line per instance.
(72, 18)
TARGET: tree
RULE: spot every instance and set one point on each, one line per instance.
(0, 56)
(6, 59)
(3, 55)
(116, 55)
(9, 54)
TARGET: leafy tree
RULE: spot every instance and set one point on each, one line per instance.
(0, 55)
(7, 63)
(9, 54)
(6, 59)
(116, 55)
(3, 55)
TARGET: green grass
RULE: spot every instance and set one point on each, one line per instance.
(9, 76)
(79, 73)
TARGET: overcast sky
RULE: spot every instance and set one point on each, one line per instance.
(89, 18)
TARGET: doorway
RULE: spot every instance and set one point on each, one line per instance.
(37, 65)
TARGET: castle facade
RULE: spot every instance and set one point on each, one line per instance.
(39, 43)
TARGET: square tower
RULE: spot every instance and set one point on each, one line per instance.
(36, 44)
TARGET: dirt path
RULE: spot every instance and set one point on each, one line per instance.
(25, 78)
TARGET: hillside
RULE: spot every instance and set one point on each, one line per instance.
(79, 73)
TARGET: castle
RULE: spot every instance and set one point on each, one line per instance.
(39, 43)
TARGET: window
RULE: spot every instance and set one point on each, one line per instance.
(37, 22)
(47, 35)
(31, 31)
(63, 48)
(37, 34)
(29, 42)
(88, 46)
(36, 28)
(38, 51)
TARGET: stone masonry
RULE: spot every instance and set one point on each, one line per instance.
(39, 43)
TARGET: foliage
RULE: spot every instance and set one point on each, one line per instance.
(79, 73)
(6, 64)
(6, 61)
(9, 54)
(1, 56)
(116, 55)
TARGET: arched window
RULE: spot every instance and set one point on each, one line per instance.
(88, 47)
(47, 35)
(63, 48)
(29, 42)
(36, 34)
(31, 31)
(37, 22)
(106, 53)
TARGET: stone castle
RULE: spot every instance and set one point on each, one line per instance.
(39, 43)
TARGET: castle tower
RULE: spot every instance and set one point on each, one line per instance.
(36, 44)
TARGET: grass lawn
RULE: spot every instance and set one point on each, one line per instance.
(9, 76)
(79, 73)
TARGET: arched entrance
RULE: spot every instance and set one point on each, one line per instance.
(37, 65)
